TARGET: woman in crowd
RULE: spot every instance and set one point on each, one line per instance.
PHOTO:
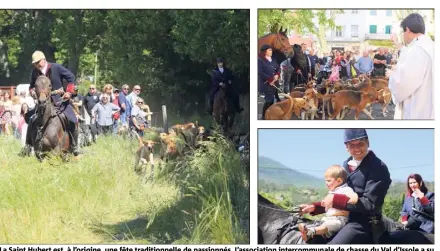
(108, 89)
(7, 102)
(418, 207)
(22, 125)
(15, 109)
(138, 116)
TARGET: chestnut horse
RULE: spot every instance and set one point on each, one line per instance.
(49, 132)
(279, 42)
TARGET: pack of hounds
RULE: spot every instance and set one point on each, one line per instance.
(337, 96)
(180, 139)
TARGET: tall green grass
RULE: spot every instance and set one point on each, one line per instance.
(100, 199)
(217, 185)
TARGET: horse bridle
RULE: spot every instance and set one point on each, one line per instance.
(282, 45)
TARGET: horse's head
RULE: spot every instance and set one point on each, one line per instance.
(278, 41)
(282, 43)
(43, 89)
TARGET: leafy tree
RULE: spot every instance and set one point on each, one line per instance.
(428, 16)
(393, 205)
(300, 21)
(72, 31)
(168, 52)
(23, 32)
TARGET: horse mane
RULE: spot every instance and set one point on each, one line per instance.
(274, 33)
(263, 201)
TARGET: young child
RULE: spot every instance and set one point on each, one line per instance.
(335, 219)
(334, 76)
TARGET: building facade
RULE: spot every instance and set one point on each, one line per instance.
(359, 30)
(369, 29)
(349, 32)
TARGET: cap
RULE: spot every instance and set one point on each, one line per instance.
(37, 56)
(115, 90)
(354, 134)
(219, 60)
(265, 47)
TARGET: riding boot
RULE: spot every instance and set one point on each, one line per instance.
(210, 106)
(211, 101)
(237, 105)
(265, 106)
(27, 149)
(236, 99)
(73, 133)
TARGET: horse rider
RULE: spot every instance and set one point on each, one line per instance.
(56, 73)
(222, 74)
(369, 177)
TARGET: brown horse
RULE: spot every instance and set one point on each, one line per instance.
(279, 42)
(49, 128)
(224, 110)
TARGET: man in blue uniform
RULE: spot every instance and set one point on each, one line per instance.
(222, 74)
(56, 73)
(368, 176)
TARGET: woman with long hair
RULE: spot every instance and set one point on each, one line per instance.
(7, 102)
(108, 89)
(418, 207)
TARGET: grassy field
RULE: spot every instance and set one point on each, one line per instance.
(98, 198)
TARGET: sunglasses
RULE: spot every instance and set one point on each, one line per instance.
(140, 102)
(91, 88)
(124, 88)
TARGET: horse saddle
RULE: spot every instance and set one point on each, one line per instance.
(293, 226)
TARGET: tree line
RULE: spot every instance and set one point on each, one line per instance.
(170, 53)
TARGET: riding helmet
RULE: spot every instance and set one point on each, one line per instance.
(265, 47)
(354, 134)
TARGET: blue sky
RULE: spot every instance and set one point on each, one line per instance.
(311, 151)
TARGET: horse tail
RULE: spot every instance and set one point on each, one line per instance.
(290, 99)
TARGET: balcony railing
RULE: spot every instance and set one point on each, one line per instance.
(377, 36)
